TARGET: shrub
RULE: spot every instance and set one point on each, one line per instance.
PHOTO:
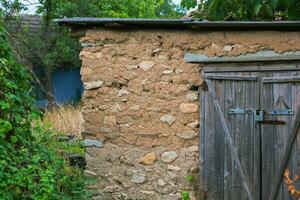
(31, 165)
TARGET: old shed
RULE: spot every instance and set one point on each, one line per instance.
(150, 83)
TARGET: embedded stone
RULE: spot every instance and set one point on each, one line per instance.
(110, 120)
(192, 96)
(188, 107)
(168, 119)
(147, 192)
(172, 175)
(187, 135)
(145, 82)
(146, 65)
(116, 108)
(173, 168)
(111, 188)
(167, 72)
(126, 160)
(90, 173)
(135, 108)
(161, 183)
(86, 54)
(168, 156)
(124, 81)
(148, 159)
(178, 71)
(138, 177)
(154, 109)
(93, 143)
(105, 130)
(227, 48)
(194, 169)
(156, 51)
(131, 67)
(194, 124)
(194, 148)
(93, 85)
(122, 92)
(87, 44)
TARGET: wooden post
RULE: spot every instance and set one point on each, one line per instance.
(228, 137)
(286, 156)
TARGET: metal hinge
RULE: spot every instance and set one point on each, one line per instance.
(259, 114)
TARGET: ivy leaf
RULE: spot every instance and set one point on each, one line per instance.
(257, 9)
(14, 139)
(5, 126)
(4, 105)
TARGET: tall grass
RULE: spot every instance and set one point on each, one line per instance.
(66, 119)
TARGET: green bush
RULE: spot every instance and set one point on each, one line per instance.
(32, 166)
(39, 173)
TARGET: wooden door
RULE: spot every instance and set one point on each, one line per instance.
(264, 105)
(219, 174)
(279, 91)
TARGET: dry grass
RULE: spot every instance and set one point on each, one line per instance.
(67, 119)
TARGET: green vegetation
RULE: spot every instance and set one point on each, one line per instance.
(108, 8)
(31, 164)
(191, 179)
(245, 9)
(185, 195)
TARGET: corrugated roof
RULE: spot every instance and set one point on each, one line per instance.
(179, 23)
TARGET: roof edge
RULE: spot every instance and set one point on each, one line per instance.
(178, 23)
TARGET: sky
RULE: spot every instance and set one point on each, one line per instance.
(32, 4)
(32, 8)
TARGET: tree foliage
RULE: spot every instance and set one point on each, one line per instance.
(109, 8)
(245, 9)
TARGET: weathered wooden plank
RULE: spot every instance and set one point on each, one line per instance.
(267, 139)
(281, 93)
(229, 94)
(286, 156)
(239, 135)
(251, 139)
(295, 159)
(228, 137)
(256, 145)
(260, 56)
(230, 77)
(219, 139)
(209, 118)
(287, 79)
(202, 142)
(251, 67)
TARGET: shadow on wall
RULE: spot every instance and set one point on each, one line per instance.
(67, 86)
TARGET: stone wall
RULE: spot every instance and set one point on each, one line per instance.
(141, 101)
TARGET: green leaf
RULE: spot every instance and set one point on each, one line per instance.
(4, 105)
(14, 139)
(257, 9)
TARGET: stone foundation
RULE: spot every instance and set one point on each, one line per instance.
(141, 101)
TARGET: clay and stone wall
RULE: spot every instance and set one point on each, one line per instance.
(141, 101)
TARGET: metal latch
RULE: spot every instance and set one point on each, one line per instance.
(259, 114)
